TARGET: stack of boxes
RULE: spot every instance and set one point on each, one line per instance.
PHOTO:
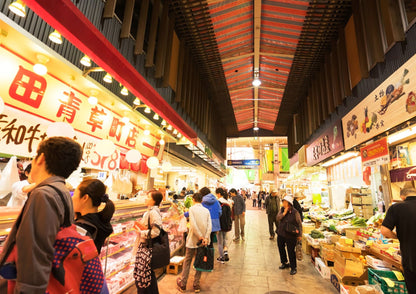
(362, 202)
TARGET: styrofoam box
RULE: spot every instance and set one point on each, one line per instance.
(321, 267)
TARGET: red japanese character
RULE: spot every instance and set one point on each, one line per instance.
(96, 118)
(28, 87)
(131, 138)
(116, 128)
(69, 108)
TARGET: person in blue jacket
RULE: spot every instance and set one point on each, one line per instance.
(212, 204)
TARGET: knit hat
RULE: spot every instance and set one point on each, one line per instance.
(289, 199)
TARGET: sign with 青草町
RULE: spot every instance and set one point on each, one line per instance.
(244, 162)
(390, 104)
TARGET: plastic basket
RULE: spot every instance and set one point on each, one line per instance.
(375, 277)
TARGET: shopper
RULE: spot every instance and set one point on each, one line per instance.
(272, 209)
(226, 223)
(88, 196)
(259, 199)
(199, 233)
(254, 198)
(144, 276)
(210, 202)
(402, 216)
(21, 189)
(287, 219)
(42, 216)
(239, 215)
(296, 205)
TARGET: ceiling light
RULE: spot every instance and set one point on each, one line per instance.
(401, 135)
(146, 132)
(256, 82)
(341, 158)
(136, 101)
(147, 110)
(175, 132)
(124, 91)
(256, 128)
(179, 135)
(85, 61)
(169, 128)
(18, 8)
(55, 37)
(107, 78)
(40, 69)
(163, 123)
(156, 116)
(92, 100)
(125, 120)
(162, 142)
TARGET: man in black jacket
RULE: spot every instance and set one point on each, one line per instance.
(272, 209)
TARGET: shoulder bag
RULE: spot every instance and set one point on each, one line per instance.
(160, 247)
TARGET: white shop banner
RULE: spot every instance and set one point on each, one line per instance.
(390, 104)
(21, 133)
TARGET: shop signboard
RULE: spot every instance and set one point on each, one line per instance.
(403, 174)
(244, 162)
(49, 98)
(390, 104)
(376, 153)
(328, 144)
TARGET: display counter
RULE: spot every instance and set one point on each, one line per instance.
(116, 255)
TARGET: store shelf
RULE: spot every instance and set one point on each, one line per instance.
(118, 251)
(125, 287)
(121, 233)
(123, 268)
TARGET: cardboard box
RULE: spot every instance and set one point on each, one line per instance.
(356, 200)
(348, 267)
(321, 267)
(351, 233)
(327, 252)
(305, 246)
(367, 200)
(375, 262)
(345, 289)
(337, 280)
(307, 228)
(335, 239)
(347, 248)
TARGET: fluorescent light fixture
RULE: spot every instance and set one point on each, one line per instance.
(124, 91)
(92, 100)
(125, 120)
(107, 78)
(18, 8)
(156, 116)
(169, 128)
(179, 135)
(40, 69)
(341, 158)
(163, 123)
(256, 128)
(146, 132)
(256, 82)
(401, 135)
(55, 37)
(85, 61)
(175, 132)
(147, 110)
(162, 142)
(136, 101)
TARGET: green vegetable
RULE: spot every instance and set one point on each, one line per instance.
(315, 234)
(359, 222)
(188, 202)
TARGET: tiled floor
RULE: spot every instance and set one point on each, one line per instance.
(253, 268)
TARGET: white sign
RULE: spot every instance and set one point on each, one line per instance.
(392, 103)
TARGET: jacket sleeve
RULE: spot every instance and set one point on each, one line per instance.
(299, 223)
(209, 227)
(155, 219)
(267, 201)
(219, 209)
(35, 238)
(193, 223)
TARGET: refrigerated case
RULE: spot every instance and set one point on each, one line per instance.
(116, 255)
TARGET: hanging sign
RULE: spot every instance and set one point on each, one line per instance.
(244, 162)
(376, 153)
(328, 144)
(51, 99)
(389, 105)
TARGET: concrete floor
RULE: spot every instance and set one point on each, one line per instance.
(253, 268)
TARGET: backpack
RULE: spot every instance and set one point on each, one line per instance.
(226, 221)
(76, 267)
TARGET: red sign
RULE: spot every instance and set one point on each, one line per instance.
(376, 153)
(328, 144)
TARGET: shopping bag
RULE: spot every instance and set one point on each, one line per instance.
(298, 251)
(204, 259)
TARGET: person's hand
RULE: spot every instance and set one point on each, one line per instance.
(244, 213)
(286, 210)
(205, 242)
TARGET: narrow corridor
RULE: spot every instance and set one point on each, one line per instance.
(253, 268)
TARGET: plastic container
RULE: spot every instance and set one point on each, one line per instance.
(375, 277)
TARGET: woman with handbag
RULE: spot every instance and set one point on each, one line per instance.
(148, 228)
(289, 232)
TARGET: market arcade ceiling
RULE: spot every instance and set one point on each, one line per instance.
(282, 42)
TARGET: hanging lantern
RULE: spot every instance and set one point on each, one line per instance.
(152, 162)
(60, 129)
(133, 156)
(166, 166)
(1, 105)
(105, 147)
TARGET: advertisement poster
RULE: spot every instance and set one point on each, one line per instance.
(390, 104)
(328, 144)
(376, 153)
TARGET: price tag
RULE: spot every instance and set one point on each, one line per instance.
(399, 275)
(349, 242)
(369, 243)
(391, 250)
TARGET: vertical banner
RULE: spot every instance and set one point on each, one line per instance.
(276, 159)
